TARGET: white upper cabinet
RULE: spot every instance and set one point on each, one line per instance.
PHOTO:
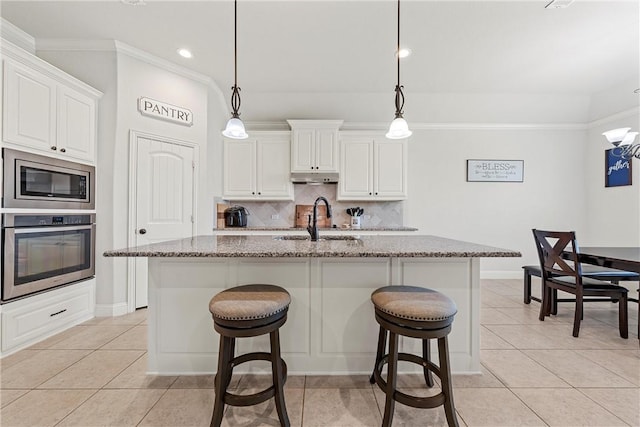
(45, 110)
(258, 168)
(372, 168)
(76, 124)
(239, 168)
(29, 107)
(314, 145)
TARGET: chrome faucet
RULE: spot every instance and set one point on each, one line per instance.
(312, 227)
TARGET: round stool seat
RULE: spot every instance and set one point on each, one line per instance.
(249, 302)
(414, 303)
(416, 312)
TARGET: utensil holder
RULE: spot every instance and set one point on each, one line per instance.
(355, 222)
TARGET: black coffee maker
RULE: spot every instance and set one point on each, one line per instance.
(235, 216)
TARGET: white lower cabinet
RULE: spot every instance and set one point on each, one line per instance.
(372, 168)
(32, 319)
(258, 168)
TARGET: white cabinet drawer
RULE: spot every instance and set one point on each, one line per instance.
(32, 319)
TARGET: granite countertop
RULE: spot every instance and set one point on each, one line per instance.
(275, 228)
(269, 247)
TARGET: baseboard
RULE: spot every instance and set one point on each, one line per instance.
(111, 310)
(501, 274)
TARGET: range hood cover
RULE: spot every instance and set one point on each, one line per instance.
(314, 178)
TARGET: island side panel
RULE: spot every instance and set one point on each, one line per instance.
(458, 278)
(182, 339)
(180, 331)
(330, 326)
(344, 328)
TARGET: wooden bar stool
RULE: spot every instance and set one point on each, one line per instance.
(421, 313)
(249, 311)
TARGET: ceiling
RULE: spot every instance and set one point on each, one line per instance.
(466, 47)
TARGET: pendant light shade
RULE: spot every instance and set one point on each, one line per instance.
(399, 127)
(235, 127)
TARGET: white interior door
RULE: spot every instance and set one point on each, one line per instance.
(164, 198)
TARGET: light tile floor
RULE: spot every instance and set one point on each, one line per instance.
(534, 373)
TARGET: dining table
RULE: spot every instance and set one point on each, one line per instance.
(621, 258)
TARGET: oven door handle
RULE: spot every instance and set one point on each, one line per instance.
(30, 230)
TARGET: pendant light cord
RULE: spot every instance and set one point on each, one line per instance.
(398, 45)
(399, 93)
(235, 42)
(235, 90)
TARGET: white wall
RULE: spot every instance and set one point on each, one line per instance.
(98, 69)
(419, 108)
(124, 78)
(613, 214)
(501, 214)
(137, 78)
(563, 163)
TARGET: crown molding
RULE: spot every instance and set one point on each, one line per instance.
(632, 112)
(375, 126)
(498, 126)
(259, 126)
(74, 45)
(15, 35)
(150, 59)
(162, 63)
(122, 48)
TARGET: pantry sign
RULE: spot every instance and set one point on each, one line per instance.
(162, 110)
(495, 170)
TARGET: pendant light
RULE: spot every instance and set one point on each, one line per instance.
(399, 128)
(235, 127)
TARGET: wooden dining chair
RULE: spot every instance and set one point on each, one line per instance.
(561, 270)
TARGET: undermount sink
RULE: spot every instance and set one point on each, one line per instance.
(303, 238)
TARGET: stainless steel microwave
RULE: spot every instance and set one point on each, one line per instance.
(33, 181)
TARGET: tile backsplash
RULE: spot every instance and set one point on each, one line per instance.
(261, 214)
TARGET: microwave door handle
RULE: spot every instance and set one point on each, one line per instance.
(30, 230)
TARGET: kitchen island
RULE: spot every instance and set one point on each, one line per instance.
(331, 327)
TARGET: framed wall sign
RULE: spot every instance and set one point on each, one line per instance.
(617, 169)
(162, 110)
(495, 170)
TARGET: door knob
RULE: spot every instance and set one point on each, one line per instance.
(142, 231)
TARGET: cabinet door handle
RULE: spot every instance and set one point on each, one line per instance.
(142, 231)
(54, 148)
(376, 193)
(58, 312)
(63, 150)
(370, 194)
(259, 193)
(253, 192)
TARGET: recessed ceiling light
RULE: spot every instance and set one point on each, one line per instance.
(185, 53)
(134, 2)
(558, 4)
(404, 52)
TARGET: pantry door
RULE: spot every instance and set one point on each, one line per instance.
(163, 171)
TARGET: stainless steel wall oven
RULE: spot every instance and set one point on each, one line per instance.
(41, 251)
(33, 181)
